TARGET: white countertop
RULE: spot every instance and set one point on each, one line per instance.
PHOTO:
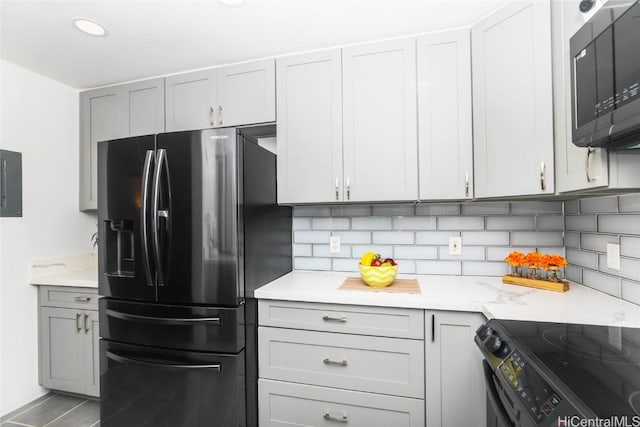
(72, 270)
(487, 295)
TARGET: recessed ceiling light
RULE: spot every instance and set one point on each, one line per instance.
(232, 3)
(89, 26)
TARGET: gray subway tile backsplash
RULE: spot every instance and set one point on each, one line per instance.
(596, 242)
(371, 223)
(461, 223)
(602, 282)
(630, 246)
(485, 238)
(629, 203)
(620, 224)
(535, 208)
(511, 223)
(393, 238)
(581, 223)
(417, 236)
(414, 223)
(599, 205)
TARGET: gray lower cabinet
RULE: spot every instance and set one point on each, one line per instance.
(68, 340)
(455, 393)
(322, 364)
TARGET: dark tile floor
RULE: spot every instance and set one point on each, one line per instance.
(55, 410)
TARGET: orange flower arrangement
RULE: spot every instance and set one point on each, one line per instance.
(515, 259)
(534, 261)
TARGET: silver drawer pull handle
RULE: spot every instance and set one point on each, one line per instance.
(341, 418)
(334, 319)
(82, 299)
(328, 361)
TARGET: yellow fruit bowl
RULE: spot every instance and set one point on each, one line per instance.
(378, 277)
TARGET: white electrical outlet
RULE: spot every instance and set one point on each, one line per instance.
(455, 245)
(613, 256)
(334, 244)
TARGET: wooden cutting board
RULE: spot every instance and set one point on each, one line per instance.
(401, 286)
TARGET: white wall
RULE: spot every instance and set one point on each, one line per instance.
(39, 119)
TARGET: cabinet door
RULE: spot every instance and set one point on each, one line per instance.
(246, 94)
(445, 145)
(100, 120)
(144, 107)
(309, 127)
(62, 349)
(380, 141)
(512, 101)
(577, 168)
(190, 101)
(91, 353)
(455, 394)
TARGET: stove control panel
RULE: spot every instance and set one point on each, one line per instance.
(536, 395)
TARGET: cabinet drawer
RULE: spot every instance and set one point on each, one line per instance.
(373, 364)
(287, 404)
(352, 319)
(68, 297)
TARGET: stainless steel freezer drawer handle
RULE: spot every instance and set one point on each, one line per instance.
(164, 320)
(118, 358)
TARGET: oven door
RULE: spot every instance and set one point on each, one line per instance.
(498, 413)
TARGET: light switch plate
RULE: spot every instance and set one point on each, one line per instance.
(613, 256)
(334, 244)
(455, 245)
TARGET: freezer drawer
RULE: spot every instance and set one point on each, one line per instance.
(287, 404)
(142, 386)
(214, 329)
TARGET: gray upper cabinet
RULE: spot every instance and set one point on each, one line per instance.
(246, 93)
(227, 96)
(191, 100)
(580, 169)
(100, 120)
(577, 168)
(513, 102)
(445, 140)
(115, 112)
(144, 104)
(380, 144)
(309, 127)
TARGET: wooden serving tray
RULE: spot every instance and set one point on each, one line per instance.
(562, 286)
(405, 286)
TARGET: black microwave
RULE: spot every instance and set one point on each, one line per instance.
(605, 78)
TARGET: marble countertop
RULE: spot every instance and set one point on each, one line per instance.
(487, 295)
(72, 270)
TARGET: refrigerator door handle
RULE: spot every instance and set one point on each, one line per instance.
(146, 175)
(163, 320)
(157, 213)
(123, 359)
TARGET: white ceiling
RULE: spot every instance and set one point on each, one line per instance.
(150, 38)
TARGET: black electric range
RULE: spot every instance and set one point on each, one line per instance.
(555, 374)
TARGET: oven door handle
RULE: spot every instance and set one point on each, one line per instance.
(494, 399)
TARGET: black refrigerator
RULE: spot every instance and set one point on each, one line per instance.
(188, 228)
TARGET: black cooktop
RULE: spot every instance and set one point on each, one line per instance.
(600, 365)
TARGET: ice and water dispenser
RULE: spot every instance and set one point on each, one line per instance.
(119, 247)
